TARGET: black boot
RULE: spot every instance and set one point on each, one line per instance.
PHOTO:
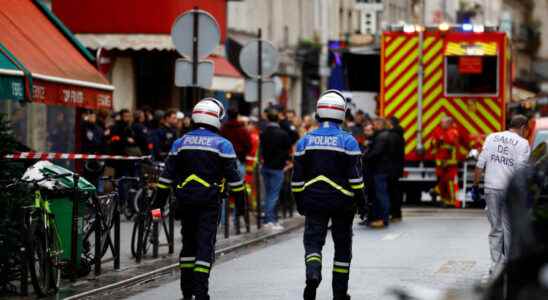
(342, 297)
(312, 284)
(310, 290)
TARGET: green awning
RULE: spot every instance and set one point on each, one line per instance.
(12, 83)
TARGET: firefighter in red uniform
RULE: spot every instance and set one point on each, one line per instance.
(445, 144)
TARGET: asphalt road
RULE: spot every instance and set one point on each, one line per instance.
(431, 248)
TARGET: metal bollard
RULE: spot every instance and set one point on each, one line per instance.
(171, 221)
(246, 215)
(227, 218)
(24, 273)
(258, 198)
(139, 239)
(116, 253)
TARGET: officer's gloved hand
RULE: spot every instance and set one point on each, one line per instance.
(362, 211)
(476, 195)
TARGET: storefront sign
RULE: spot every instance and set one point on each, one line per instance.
(70, 95)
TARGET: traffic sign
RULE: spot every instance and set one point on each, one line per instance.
(249, 58)
(183, 73)
(207, 33)
(268, 91)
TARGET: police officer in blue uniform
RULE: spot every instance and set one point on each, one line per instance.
(163, 137)
(197, 165)
(327, 185)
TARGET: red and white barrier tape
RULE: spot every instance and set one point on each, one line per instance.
(71, 156)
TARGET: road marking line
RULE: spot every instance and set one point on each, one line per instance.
(391, 236)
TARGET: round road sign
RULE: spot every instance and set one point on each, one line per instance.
(249, 58)
(182, 33)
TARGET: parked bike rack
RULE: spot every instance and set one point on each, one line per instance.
(114, 246)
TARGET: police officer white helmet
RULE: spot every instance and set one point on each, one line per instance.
(331, 105)
(208, 111)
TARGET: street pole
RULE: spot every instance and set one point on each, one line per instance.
(420, 146)
(195, 32)
(260, 72)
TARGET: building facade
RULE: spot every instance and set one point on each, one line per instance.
(132, 43)
(300, 30)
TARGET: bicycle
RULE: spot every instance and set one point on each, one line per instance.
(104, 214)
(41, 239)
(145, 233)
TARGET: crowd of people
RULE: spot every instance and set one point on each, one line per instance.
(146, 132)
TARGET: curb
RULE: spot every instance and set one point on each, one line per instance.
(139, 278)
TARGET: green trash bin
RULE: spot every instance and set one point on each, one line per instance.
(61, 206)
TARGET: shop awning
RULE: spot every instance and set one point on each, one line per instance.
(61, 68)
(126, 41)
(12, 79)
(226, 76)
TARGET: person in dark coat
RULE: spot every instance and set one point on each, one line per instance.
(163, 137)
(275, 145)
(397, 154)
(378, 162)
(289, 128)
(142, 132)
(93, 142)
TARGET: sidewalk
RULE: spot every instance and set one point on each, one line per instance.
(130, 269)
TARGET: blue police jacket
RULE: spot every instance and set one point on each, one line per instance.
(198, 164)
(327, 168)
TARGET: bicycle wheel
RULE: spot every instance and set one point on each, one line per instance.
(89, 243)
(147, 235)
(38, 262)
(134, 236)
(141, 228)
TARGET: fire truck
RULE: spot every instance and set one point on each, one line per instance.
(459, 71)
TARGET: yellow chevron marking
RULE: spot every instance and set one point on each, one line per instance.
(410, 133)
(394, 45)
(433, 66)
(492, 105)
(432, 110)
(411, 75)
(427, 42)
(399, 98)
(433, 95)
(435, 78)
(387, 39)
(407, 105)
(410, 146)
(401, 67)
(457, 115)
(411, 117)
(487, 115)
(435, 50)
(473, 116)
(402, 81)
(403, 51)
(431, 126)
